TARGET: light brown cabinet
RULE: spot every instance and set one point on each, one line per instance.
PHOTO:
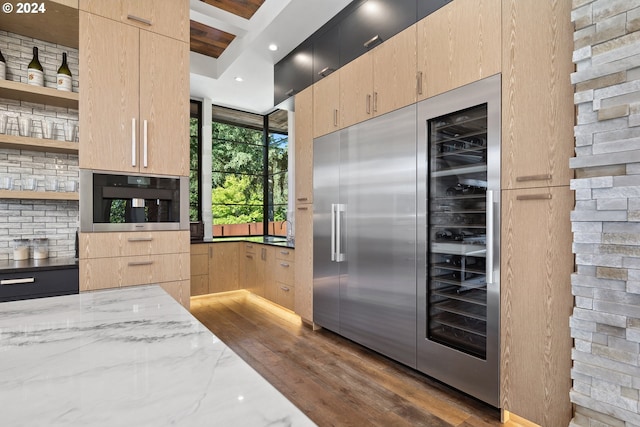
(326, 105)
(200, 269)
(459, 44)
(134, 109)
(167, 17)
(223, 267)
(304, 146)
(279, 284)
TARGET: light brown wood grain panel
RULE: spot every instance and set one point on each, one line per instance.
(394, 72)
(326, 105)
(303, 275)
(164, 104)
(199, 264)
(199, 285)
(180, 291)
(304, 146)
(37, 94)
(459, 44)
(224, 267)
(284, 271)
(285, 254)
(356, 90)
(537, 96)
(536, 302)
(285, 295)
(101, 245)
(109, 67)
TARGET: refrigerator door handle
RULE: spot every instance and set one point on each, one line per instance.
(489, 237)
(333, 232)
(340, 208)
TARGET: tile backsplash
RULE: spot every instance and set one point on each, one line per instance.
(56, 220)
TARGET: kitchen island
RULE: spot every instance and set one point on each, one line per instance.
(129, 356)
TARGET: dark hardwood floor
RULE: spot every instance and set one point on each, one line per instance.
(334, 381)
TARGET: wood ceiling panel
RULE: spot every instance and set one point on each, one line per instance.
(243, 8)
(209, 41)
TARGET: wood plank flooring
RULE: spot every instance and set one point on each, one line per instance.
(334, 381)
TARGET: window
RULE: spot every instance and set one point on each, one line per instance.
(195, 200)
(249, 173)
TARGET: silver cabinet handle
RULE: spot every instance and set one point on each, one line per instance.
(210, 252)
(145, 162)
(340, 257)
(303, 208)
(138, 19)
(545, 196)
(284, 288)
(333, 232)
(335, 117)
(419, 78)
(542, 177)
(375, 102)
(140, 239)
(368, 104)
(249, 256)
(284, 264)
(290, 92)
(133, 142)
(489, 238)
(326, 71)
(372, 41)
(302, 199)
(17, 281)
(139, 263)
(284, 252)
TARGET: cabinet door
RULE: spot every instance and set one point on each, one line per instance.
(109, 66)
(304, 146)
(303, 275)
(248, 272)
(356, 91)
(164, 105)
(536, 303)
(179, 290)
(538, 111)
(200, 269)
(168, 17)
(223, 268)
(458, 44)
(394, 72)
(326, 53)
(293, 73)
(326, 105)
(427, 7)
(104, 245)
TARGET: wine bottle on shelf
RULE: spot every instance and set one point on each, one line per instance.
(64, 75)
(3, 67)
(35, 74)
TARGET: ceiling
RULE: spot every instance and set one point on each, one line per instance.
(230, 39)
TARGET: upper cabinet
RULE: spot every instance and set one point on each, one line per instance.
(134, 106)
(293, 73)
(427, 7)
(304, 146)
(167, 17)
(457, 45)
(326, 53)
(373, 22)
(326, 105)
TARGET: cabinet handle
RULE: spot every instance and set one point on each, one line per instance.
(335, 117)
(284, 252)
(249, 256)
(210, 252)
(290, 92)
(302, 199)
(248, 246)
(144, 144)
(302, 208)
(284, 264)
(368, 104)
(139, 263)
(372, 41)
(542, 177)
(263, 254)
(133, 142)
(419, 79)
(284, 288)
(326, 71)
(375, 102)
(140, 239)
(17, 281)
(138, 19)
(534, 197)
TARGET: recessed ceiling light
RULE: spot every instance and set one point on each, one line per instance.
(273, 47)
(238, 79)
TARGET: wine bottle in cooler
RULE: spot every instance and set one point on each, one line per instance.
(63, 78)
(3, 67)
(35, 73)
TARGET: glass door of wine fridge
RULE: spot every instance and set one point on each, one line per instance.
(458, 289)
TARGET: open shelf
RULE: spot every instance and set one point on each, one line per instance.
(39, 95)
(38, 144)
(38, 195)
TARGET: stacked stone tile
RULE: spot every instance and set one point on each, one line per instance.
(606, 221)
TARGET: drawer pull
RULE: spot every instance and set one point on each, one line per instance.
(138, 263)
(373, 40)
(303, 208)
(543, 177)
(303, 199)
(534, 197)
(249, 256)
(138, 19)
(284, 252)
(284, 288)
(140, 239)
(249, 246)
(17, 281)
(419, 79)
(284, 264)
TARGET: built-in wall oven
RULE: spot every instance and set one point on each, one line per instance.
(118, 202)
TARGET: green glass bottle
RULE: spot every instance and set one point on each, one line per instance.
(64, 75)
(35, 73)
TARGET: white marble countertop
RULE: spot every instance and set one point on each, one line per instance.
(130, 357)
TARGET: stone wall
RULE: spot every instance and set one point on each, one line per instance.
(606, 221)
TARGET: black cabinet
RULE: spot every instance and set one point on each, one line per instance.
(372, 23)
(427, 7)
(27, 283)
(293, 73)
(326, 53)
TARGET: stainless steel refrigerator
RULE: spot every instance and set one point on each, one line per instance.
(406, 236)
(365, 233)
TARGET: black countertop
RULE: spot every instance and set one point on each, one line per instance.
(264, 240)
(12, 266)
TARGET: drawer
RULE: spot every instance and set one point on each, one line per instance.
(38, 284)
(200, 249)
(285, 295)
(250, 248)
(285, 254)
(102, 273)
(105, 245)
(285, 271)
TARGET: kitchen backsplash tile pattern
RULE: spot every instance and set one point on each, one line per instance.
(606, 221)
(55, 220)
